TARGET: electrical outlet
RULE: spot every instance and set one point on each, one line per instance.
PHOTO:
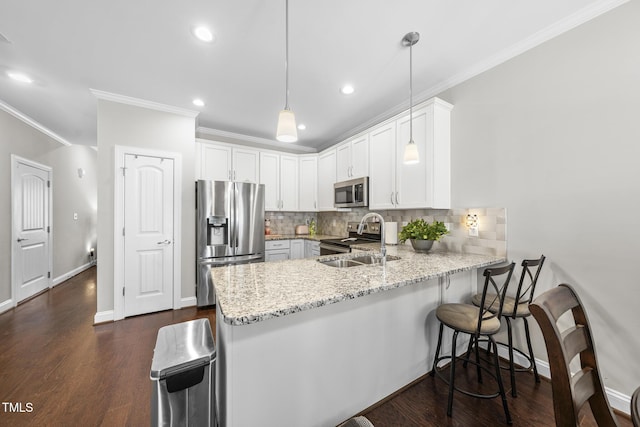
(473, 231)
(75, 215)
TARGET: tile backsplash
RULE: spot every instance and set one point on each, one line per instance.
(492, 225)
(285, 222)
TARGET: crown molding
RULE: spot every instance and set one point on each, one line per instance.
(137, 102)
(584, 15)
(34, 124)
(224, 136)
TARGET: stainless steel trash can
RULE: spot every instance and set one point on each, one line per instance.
(183, 375)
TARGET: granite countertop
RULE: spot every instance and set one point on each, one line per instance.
(317, 237)
(252, 293)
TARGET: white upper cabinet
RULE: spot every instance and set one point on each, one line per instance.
(279, 174)
(289, 183)
(246, 165)
(308, 189)
(394, 185)
(326, 179)
(215, 162)
(222, 162)
(382, 160)
(352, 159)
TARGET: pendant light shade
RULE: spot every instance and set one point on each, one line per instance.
(411, 155)
(286, 131)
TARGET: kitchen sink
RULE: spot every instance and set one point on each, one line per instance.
(357, 261)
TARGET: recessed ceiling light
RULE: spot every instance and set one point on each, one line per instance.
(19, 77)
(347, 90)
(302, 126)
(203, 33)
(198, 102)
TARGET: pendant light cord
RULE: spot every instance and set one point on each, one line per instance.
(286, 59)
(411, 93)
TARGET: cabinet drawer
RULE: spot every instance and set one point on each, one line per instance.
(276, 244)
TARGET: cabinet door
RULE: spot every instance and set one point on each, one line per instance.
(215, 162)
(308, 189)
(360, 157)
(270, 177)
(277, 255)
(326, 179)
(297, 249)
(343, 162)
(288, 183)
(311, 248)
(414, 183)
(382, 159)
(246, 164)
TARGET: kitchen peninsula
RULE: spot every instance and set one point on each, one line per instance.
(304, 343)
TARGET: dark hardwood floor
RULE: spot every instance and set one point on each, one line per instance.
(71, 372)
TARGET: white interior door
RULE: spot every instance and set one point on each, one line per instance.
(31, 248)
(148, 234)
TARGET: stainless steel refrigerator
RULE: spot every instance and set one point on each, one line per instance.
(229, 229)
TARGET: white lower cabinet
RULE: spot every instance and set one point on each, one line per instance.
(276, 250)
(311, 248)
(296, 249)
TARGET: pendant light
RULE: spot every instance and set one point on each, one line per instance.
(286, 131)
(411, 155)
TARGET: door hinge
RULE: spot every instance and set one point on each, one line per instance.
(123, 231)
(48, 184)
(123, 171)
(48, 229)
(123, 291)
(48, 275)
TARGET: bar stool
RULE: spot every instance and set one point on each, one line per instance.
(480, 324)
(518, 308)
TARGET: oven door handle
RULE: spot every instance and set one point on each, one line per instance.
(335, 248)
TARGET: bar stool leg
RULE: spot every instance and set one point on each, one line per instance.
(435, 358)
(499, 379)
(478, 369)
(512, 370)
(453, 372)
(533, 360)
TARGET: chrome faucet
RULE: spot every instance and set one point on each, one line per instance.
(383, 247)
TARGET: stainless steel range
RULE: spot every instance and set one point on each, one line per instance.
(371, 234)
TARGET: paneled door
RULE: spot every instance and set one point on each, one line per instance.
(31, 248)
(148, 234)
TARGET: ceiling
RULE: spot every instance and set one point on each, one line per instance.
(145, 49)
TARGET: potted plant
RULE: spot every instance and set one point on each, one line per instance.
(421, 234)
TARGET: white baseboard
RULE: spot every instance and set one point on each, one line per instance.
(617, 400)
(70, 274)
(103, 317)
(6, 305)
(188, 302)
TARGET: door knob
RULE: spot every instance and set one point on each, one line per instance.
(165, 242)
(21, 239)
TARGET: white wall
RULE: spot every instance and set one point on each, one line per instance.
(553, 136)
(71, 238)
(126, 125)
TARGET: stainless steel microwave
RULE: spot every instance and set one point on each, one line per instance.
(351, 194)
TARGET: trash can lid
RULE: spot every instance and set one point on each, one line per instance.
(182, 347)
